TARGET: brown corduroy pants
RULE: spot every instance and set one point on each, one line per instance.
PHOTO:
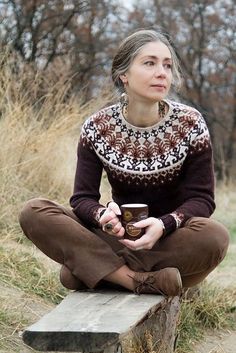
(90, 254)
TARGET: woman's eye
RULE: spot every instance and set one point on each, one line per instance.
(149, 63)
(168, 66)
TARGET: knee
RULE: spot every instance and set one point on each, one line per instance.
(28, 213)
(215, 240)
(220, 238)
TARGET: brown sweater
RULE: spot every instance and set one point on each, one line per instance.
(168, 166)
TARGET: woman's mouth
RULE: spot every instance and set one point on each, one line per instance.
(159, 87)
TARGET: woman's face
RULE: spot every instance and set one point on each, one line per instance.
(149, 76)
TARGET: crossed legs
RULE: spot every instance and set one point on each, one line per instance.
(91, 255)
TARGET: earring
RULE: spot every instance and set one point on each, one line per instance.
(162, 110)
(124, 101)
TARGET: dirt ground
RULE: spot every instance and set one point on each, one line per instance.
(223, 342)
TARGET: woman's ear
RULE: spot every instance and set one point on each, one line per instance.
(123, 78)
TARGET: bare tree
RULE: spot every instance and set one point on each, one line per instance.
(79, 32)
(93, 43)
(35, 28)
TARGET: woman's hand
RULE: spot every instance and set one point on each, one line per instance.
(110, 221)
(153, 232)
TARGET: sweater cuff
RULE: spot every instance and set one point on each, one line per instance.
(169, 223)
(87, 213)
(94, 215)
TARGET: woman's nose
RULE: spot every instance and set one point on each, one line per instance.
(160, 71)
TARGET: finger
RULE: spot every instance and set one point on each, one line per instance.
(133, 244)
(144, 223)
(107, 217)
(121, 232)
(116, 227)
(114, 207)
(118, 230)
(131, 247)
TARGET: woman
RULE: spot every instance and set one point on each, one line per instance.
(154, 151)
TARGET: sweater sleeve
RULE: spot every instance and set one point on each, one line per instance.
(196, 191)
(86, 195)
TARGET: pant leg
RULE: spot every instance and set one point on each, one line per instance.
(196, 249)
(209, 240)
(57, 232)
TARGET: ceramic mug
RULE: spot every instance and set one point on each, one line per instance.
(130, 214)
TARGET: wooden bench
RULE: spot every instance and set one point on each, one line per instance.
(106, 321)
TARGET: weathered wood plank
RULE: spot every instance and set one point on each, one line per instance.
(89, 321)
(92, 321)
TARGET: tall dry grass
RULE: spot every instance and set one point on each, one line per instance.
(38, 138)
(39, 134)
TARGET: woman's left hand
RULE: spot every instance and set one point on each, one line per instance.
(153, 233)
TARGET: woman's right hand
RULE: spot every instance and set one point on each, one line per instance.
(110, 221)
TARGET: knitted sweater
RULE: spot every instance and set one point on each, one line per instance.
(168, 166)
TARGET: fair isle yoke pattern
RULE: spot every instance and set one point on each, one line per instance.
(152, 155)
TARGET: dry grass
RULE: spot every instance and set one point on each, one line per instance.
(10, 323)
(38, 141)
(22, 270)
(226, 207)
(37, 158)
(145, 344)
(212, 310)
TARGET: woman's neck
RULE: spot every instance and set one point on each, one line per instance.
(143, 115)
